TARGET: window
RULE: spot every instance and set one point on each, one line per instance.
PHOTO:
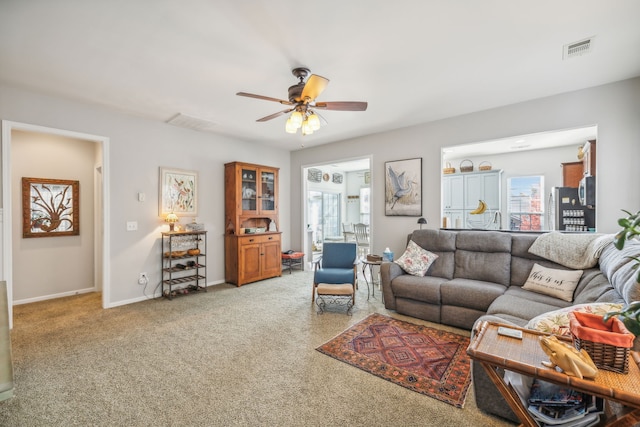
(324, 215)
(525, 203)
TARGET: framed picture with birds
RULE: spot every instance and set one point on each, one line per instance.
(403, 187)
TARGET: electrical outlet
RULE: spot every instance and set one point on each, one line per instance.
(143, 279)
(132, 225)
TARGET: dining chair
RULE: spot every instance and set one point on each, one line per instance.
(347, 232)
(362, 238)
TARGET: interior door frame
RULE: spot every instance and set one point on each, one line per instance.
(7, 239)
(305, 242)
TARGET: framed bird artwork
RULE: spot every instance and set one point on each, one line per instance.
(403, 187)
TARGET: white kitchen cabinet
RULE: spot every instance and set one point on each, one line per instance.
(453, 192)
(461, 194)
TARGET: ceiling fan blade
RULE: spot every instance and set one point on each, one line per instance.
(274, 115)
(314, 87)
(266, 98)
(342, 106)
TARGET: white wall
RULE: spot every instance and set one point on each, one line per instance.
(137, 148)
(47, 266)
(615, 108)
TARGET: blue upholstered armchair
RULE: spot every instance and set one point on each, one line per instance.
(337, 266)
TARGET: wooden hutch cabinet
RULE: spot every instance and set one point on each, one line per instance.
(252, 240)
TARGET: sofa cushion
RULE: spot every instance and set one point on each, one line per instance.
(483, 266)
(416, 260)
(425, 288)
(594, 287)
(475, 294)
(553, 282)
(557, 321)
(617, 267)
(441, 243)
(521, 304)
(483, 256)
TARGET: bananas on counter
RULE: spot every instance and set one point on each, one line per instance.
(482, 206)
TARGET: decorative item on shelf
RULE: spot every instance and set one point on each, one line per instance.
(260, 229)
(175, 254)
(422, 221)
(466, 166)
(448, 169)
(314, 175)
(194, 251)
(336, 178)
(325, 177)
(580, 152)
(172, 218)
(272, 226)
(485, 166)
(194, 226)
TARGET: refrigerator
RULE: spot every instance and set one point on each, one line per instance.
(567, 214)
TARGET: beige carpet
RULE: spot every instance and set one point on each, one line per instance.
(232, 356)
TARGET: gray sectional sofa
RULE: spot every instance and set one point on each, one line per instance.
(479, 275)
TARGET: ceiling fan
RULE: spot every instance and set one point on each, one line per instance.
(302, 102)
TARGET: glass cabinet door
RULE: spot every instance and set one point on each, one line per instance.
(267, 179)
(249, 189)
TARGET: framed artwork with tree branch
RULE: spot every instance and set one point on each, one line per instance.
(50, 207)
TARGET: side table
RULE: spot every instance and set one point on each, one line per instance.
(369, 264)
(525, 356)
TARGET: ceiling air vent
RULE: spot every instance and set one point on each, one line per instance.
(191, 122)
(578, 48)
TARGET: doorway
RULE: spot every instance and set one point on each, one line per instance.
(334, 195)
(97, 234)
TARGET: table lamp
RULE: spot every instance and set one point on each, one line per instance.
(421, 221)
(172, 219)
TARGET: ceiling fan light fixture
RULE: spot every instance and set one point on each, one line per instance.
(306, 128)
(296, 119)
(314, 121)
(290, 127)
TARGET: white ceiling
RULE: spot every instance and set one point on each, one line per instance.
(414, 61)
(536, 141)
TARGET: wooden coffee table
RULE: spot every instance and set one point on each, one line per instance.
(621, 392)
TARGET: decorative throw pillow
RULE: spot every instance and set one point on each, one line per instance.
(557, 322)
(415, 260)
(553, 282)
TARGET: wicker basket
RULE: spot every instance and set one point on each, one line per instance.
(448, 170)
(484, 166)
(468, 166)
(608, 344)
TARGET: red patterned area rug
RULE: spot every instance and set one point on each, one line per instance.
(423, 359)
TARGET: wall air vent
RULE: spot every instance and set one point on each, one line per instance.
(578, 48)
(191, 122)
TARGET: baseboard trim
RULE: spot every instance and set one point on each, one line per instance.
(54, 296)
